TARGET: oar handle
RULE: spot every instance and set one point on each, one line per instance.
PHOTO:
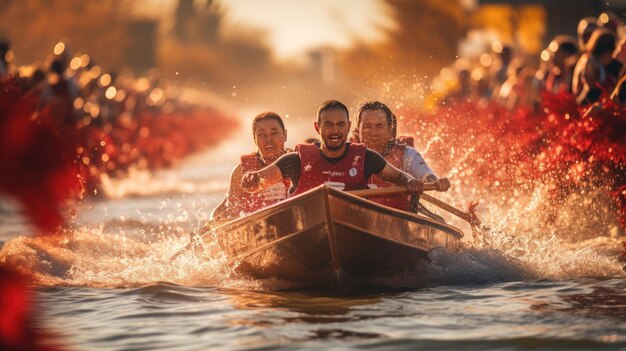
(389, 191)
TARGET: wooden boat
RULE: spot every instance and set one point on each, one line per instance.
(330, 237)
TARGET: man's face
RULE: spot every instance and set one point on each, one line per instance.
(374, 130)
(269, 138)
(333, 128)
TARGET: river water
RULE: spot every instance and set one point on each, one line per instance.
(107, 284)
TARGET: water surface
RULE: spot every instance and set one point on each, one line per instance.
(107, 284)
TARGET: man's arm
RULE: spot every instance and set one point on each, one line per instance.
(253, 182)
(286, 167)
(415, 165)
(227, 207)
(376, 164)
(396, 176)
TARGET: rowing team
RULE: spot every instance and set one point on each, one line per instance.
(375, 158)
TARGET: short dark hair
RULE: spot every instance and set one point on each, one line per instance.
(569, 48)
(564, 43)
(56, 66)
(4, 47)
(329, 105)
(267, 115)
(601, 41)
(374, 106)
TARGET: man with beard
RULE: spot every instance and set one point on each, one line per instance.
(332, 161)
(269, 135)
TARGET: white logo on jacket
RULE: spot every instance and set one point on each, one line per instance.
(275, 192)
(333, 173)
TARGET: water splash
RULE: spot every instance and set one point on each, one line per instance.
(523, 239)
(90, 257)
(532, 229)
(534, 237)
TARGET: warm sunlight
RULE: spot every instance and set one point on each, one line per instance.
(312, 175)
(297, 26)
(293, 27)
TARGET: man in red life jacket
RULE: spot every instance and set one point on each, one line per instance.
(269, 135)
(333, 161)
(377, 128)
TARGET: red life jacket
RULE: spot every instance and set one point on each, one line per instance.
(395, 156)
(249, 203)
(347, 174)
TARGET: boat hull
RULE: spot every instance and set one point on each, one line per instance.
(333, 238)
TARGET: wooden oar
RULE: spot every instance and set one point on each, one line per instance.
(469, 216)
(388, 191)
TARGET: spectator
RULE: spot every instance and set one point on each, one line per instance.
(595, 76)
(564, 53)
(4, 63)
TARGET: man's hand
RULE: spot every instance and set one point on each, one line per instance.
(443, 184)
(250, 181)
(415, 187)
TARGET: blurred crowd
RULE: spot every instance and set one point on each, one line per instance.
(557, 119)
(119, 120)
(64, 123)
(590, 67)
